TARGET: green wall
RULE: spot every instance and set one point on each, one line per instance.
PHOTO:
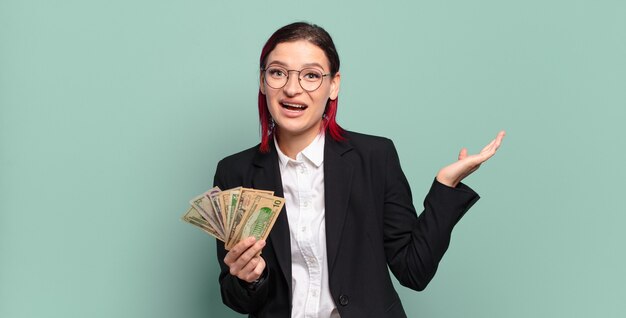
(113, 114)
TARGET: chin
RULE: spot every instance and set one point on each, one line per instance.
(286, 128)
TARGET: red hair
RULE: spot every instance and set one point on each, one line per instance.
(318, 36)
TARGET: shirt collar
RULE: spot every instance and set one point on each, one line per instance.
(314, 152)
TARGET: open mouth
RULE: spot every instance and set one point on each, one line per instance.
(294, 107)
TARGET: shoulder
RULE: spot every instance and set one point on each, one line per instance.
(232, 170)
(240, 163)
(358, 147)
(364, 142)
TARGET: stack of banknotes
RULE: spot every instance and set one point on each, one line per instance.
(235, 214)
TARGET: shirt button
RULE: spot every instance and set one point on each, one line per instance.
(343, 300)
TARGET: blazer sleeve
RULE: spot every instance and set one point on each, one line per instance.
(414, 245)
(235, 292)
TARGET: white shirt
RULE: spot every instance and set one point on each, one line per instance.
(303, 187)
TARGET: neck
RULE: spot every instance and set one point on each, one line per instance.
(291, 144)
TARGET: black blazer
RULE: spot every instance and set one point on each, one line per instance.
(371, 225)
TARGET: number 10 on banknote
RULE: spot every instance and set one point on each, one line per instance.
(235, 214)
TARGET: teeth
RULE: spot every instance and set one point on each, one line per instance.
(295, 105)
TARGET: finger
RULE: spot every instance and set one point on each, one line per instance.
(499, 138)
(488, 146)
(247, 272)
(472, 161)
(241, 267)
(253, 270)
(251, 252)
(463, 154)
(238, 249)
(493, 146)
(258, 270)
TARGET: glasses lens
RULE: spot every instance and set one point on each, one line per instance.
(276, 77)
(311, 79)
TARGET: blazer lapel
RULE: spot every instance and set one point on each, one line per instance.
(267, 177)
(337, 186)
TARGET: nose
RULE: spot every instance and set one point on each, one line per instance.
(292, 87)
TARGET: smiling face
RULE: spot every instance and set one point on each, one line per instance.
(297, 112)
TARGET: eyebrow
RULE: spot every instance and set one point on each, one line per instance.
(305, 65)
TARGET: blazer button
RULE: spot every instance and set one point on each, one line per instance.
(343, 300)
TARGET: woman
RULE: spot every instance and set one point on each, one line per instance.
(348, 214)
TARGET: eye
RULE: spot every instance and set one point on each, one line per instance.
(311, 75)
(276, 72)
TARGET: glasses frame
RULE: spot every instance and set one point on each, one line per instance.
(264, 70)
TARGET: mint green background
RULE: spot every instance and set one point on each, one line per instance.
(113, 114)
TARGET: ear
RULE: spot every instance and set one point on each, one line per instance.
(261, 84)
(334, 86)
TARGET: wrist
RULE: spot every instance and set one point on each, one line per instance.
(445, 181)
(255, 284)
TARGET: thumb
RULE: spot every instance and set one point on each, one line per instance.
(463, 154)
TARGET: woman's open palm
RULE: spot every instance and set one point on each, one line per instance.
(452, 174)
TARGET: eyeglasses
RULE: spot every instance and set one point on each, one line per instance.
(310, 79)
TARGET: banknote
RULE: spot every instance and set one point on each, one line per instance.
(194, 217)
(228, 200)
(235, 195)
(246, 198)
(260, 218)
(214, 197)
(234, 214)
(204, 206)
(232, 207)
